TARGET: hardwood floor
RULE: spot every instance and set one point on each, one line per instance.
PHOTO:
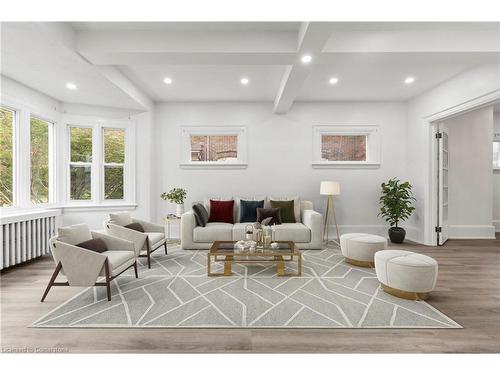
(468, 290)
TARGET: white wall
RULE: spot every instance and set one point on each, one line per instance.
(496, 181)
(51, 109)
(470, 174)
(466, 87)
(280, 155)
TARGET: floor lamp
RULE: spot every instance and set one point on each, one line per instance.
(330, 188)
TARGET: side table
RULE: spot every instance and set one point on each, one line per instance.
(169, 220)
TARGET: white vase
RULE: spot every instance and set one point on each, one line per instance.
(179, 209)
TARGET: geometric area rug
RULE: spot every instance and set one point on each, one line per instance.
(177, 293)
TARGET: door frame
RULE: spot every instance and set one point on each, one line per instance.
(433, 121)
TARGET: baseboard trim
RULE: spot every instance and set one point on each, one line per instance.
(480, 232)
(496, 224)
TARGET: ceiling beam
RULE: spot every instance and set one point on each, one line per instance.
(311, 39)
(65, 35)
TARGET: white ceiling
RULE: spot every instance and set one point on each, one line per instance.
(206, 60)
(29, 57)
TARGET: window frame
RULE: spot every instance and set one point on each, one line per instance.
(52, 157)
(188, 131)
(372, 133)
(17, 114)
(69, 164)
(124, 165)
(97, 166)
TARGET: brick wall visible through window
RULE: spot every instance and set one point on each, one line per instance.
(214, 147)
(343, 147)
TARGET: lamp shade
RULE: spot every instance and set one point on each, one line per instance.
(329, 188)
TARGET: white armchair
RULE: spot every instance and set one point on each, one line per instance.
(84, 267)
(146, 243)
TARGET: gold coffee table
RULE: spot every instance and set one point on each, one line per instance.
(223, 251)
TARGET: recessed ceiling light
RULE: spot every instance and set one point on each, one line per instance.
(167, 80)
(306, 59)
(333, 80)
(244, 81)
(71, 86)
(409, 80)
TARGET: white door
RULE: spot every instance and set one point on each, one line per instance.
(442, 228)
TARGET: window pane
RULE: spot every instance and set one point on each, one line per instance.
(80, 188)
(113, 182)
(39, 160)
(6, 152)
(343, 147)
(114, 145)
(214, 147)
(81, 144)
(496, 154)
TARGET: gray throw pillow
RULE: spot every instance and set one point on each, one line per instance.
(200, 214)
(273, 213)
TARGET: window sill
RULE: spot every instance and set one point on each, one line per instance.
(208, 165)
(98, 206)
(346, 165)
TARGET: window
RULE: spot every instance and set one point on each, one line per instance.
(41, 150)
(346, 146)
(7, 121)
(214, 147)
(80, 166)
(114, 163)
(343, 147)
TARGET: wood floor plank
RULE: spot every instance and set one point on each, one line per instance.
(468, 291)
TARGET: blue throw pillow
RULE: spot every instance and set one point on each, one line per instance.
(248, 210)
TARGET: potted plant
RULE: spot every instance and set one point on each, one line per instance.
(396, 205)
(177, 196)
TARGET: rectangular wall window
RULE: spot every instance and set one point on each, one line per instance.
(7, 121)
(346, 146)
(40, 138)
(80, 165)
(214, 148)
(114, 163)
(343, 147)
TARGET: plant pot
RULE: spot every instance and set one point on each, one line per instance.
(397, 234)
(179, 209)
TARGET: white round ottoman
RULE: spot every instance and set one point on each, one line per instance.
(359, 248)
(405, 274)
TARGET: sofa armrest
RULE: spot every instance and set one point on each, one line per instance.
(137, 238)
(188, 223)
(314, 221)
(150, 227)
(114, 243)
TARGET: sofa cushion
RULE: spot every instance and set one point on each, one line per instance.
(286, 210)
(118, 260)
(221, 211)
(273, 213)
(296, 205)
(248, 210)
(96, 244)
(120, 218)
(296, 232)
(213, 232)
(135, 226)
(74, 234)
(237, 204)
(200, 214)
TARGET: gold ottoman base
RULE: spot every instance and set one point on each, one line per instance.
(414, 296)
(360, 263)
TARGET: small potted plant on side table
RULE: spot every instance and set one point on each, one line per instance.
(177, 196)
(396, 205)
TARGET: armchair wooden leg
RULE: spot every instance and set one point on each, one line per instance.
(148, 253)
(166, 248)
(135, 270)
(108, 282)
(52, 279)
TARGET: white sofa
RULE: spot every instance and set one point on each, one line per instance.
(307, 233)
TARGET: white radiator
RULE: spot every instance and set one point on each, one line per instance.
(26, 236)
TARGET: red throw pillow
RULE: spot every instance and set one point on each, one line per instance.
(221, 212)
